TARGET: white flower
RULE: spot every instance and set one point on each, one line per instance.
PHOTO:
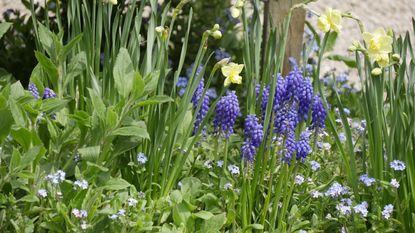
(345, 206)
(142, 195)
(234, 170)
(342, 137)
(361, 209)
(121, 212)
(42, 193)
(141, 158)
(387, 211)
(56, 178)
(83, 225)
(113, 216)
(367, 180)
(316, 194)
(227, 186)
(79, 213)
(336, 190)
(82, 184)
(395, 183)
(299, 179)
(302, 231)
(397, 165)
(208, 164)
(314, 165)
(132, 202)
(219, 163)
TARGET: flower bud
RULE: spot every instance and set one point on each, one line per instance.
(217, 34)
(215, 27)
(376, 71)
(159, 29)
(396, 57)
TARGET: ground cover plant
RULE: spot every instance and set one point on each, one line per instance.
(111, 135)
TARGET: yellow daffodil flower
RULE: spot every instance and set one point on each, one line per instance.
(379, 45)
(236, 8)
(231, 71)
(330, 20)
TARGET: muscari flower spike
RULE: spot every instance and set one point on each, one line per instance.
(227, 110)
(305, 95)
(253, 130)
(248, 151)
(318, 114)
(33, 90)
(303, 146)
(48, 93)
(182, 84)
(204, 108)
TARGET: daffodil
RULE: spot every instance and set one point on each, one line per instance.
(330, 20)
(236, 8)
(231, 71)
(379, 45)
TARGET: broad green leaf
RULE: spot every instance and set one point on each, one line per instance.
(123, 73)
(17, 90)
(90, 153)
(331, 41)
(203, 215)
(4, 27)
(151, 81)
(77, 65)
(176, 197)
(97, 103)
(29, 156)
(6, 121)
(181, 215)
(46, 40)
(132, 131)
(15, 161)
(30, 198)
(116, 184)
(68, 47)
(254, 226)
(23, 136)
(214, 224)
(138, 88)
(53, 105)
(48, 67)
(17, 113)
(158, 99)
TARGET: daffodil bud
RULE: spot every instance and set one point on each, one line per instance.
(376, 71)
(215, 27)
(217, 34)
(396, 57)
(113, 2)
(159, 29)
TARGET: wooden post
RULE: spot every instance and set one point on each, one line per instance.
(278, 11)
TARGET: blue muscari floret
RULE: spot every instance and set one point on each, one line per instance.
(303, 146)
(253, 130)
(286, 119)
(290, 147)
(48, 93)
(221, 54)
(204, 105)
(227, 110)
(318, 113)
(305, 95)
(280, 92)
(182, 84)
(33, 90)
(294, 82)
(265, 95)
(248, 151)
(211, 93)
(189, 70)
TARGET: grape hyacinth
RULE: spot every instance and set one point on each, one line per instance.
(248, 151)
(227, 110)
(290, 146)
(318, 113)
(286, 120)
(221, 54)
(294, 82)
(33, 90)
(48, 93)
(264, 98)
(280, 90)
(303, 146)
(253, 130)
(190, 69)
(305, 96)
(182, 84)
(204, 108)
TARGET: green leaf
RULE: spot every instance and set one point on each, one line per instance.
(97, 103)
(158, 99)
(6, 122)
(138, 88)
(90, 153)
(123, 73)
(16, 91)
(46, 38)
(176, 197)
(30, 198)
(132, 131)
(77, 65)
(29, 156)
(4, 27)
(68, 47)
(350, 62)
(214, 224)
(23, 136)
(53, 105)
(254, 226)
(48, 67)
(331, 41)
(205, 215)
(116, 184)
